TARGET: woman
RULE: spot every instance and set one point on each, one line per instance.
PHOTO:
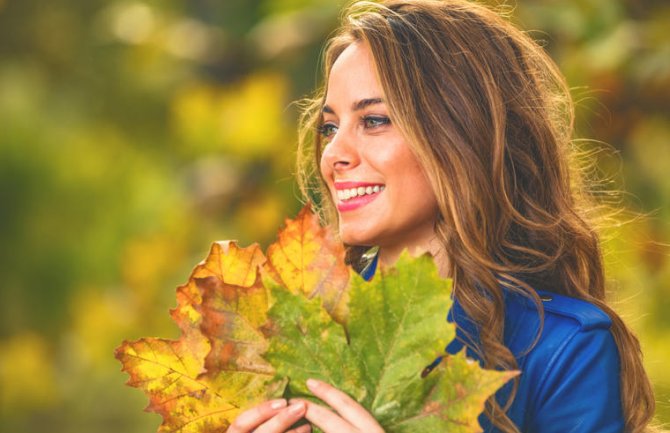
(443, 128)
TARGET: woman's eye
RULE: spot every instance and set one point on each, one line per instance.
(375, 121)
(327, 130)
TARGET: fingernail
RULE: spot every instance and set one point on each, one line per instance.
(278, 404)
(296, 408)
(313, 384)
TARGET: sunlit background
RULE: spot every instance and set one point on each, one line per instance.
(133, 134)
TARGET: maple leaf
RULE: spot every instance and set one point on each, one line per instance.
(200, 382)
(306, 259)
(370, 339)
(397, 326)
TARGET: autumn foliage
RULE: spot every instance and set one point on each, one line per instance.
(256, 326)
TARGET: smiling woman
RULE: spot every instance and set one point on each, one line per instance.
(443, 128)
(364, 150)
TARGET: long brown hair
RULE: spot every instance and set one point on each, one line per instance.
(490, 119)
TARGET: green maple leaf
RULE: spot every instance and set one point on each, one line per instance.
(256, 326)
(396, 327)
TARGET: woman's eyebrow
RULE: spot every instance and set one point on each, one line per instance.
(356, 106)
(366, 103)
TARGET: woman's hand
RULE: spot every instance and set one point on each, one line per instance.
(351, 417)
(272, 416)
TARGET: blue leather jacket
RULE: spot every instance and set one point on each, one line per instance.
(569, 380)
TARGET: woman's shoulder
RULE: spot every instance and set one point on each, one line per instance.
(568, 361)
(566, 324)
(569, 365)
(527, 330)
(560, 310)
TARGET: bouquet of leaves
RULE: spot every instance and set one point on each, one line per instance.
(255, 327)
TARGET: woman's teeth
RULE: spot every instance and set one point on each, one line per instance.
(346, 194)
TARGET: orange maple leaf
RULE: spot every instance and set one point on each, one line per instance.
(201, 381)
(306, 259)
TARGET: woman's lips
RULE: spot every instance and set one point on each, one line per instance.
(353, 195)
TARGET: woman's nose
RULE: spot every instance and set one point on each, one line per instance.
(341, 152)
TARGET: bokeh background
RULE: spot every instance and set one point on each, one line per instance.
(134, 133)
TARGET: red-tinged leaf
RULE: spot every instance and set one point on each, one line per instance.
(234, 307)
(306, 259)
(232, 317)
(200, 382)
(185, 314)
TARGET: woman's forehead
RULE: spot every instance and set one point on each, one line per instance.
(353, 83)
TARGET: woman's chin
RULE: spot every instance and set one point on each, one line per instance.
(352, 238)
(361, 230)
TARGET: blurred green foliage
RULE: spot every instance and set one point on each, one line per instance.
(132, 134)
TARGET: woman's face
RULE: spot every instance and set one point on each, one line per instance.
(381, 193)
